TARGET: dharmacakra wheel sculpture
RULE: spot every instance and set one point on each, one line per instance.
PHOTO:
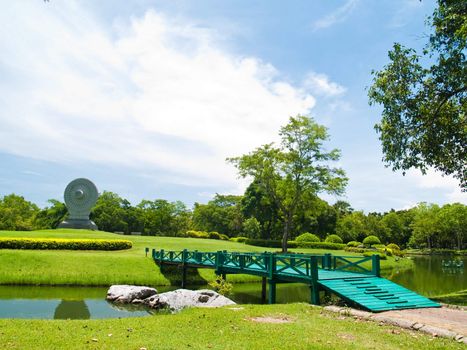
(80, 196)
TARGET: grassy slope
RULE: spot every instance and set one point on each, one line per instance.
(217, 329)
(105, 268)
(456, 298)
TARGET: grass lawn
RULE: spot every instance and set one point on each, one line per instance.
(456, 298)
(102, 268)
(226, 328)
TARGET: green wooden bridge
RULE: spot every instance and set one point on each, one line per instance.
(356, 279)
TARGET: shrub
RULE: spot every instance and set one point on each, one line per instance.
(382, 256)
(239, 239)
(379, 246)
(353, 244)
(221, 286)
(269, 243)
(370, 240)
(196, 234)
(224, 237)
(393, 246)
(61, 243)
(355, 250)
(214, 235)
(307, 237)
(333, 239)
(321, 245)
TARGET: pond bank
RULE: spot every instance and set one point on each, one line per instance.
(439, 322)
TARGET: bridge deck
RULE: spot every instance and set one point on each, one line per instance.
(349, 277)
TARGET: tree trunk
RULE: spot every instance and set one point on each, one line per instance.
(285, 237)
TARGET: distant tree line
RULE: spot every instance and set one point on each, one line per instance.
(252, 216)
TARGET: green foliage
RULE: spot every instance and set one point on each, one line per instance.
(62, 243)
(356, 250)
(295, 168)
(353, 244)
(221, 286)
(252, 228)
(307, 237)
(269, 243)
(371, 240)
(222, 214)
(382, 256)
(51, 216)
(16, 213)
(334, 239)
(321, 245)
(239, 239)
(393, 246)
(424, 98)
(196, 234)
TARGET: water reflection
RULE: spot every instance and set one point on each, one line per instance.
(72, 309)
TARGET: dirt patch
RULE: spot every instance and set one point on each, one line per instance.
(346, 336)
(446, 318)
(271, 319)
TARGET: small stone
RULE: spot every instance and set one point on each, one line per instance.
(203, 298)
(94, 339)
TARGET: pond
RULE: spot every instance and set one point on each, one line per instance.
(427, 277)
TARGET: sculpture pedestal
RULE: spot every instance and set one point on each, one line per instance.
(78, 224)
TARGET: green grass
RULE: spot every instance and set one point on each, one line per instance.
(101, 268)
(310, 328)
(456, 298)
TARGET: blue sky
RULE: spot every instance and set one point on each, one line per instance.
(148, 98)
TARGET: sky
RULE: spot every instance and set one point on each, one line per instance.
(148, 98)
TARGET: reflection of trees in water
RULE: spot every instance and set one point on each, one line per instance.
(72, 309)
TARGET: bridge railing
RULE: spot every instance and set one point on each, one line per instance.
(303, 266)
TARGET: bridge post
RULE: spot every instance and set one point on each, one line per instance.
(263, 290)
(272, 292)
(184, 259)
(153, 253)
(161, 260)
(314, 280)
(327, 258)
(375, 265)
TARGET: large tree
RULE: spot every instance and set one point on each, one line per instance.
(296, 167)
(424, 98)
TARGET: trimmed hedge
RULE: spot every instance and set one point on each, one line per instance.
(370, 240)
(321, 245)
(354, 244)
(382, 256)
(307, 237)
(239, 239)
(333, 239)
(269, 243)
(205, 235)
(62, 243)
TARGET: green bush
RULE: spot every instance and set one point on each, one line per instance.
(333, 239)
(370, 240)
(307, 237)
(393, 246)
(379, 246)
(382, 256)
(355, 250)
(214, 235)
(353, 244)
(224, 237)
(61, 243)
(269, 243)
(321, 245)
(239, 239)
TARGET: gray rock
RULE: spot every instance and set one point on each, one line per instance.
(182, 298)
(126, 294)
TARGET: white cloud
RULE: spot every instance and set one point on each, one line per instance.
(339, 15)
(435, 180)
(155, 94)
(320, 84)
